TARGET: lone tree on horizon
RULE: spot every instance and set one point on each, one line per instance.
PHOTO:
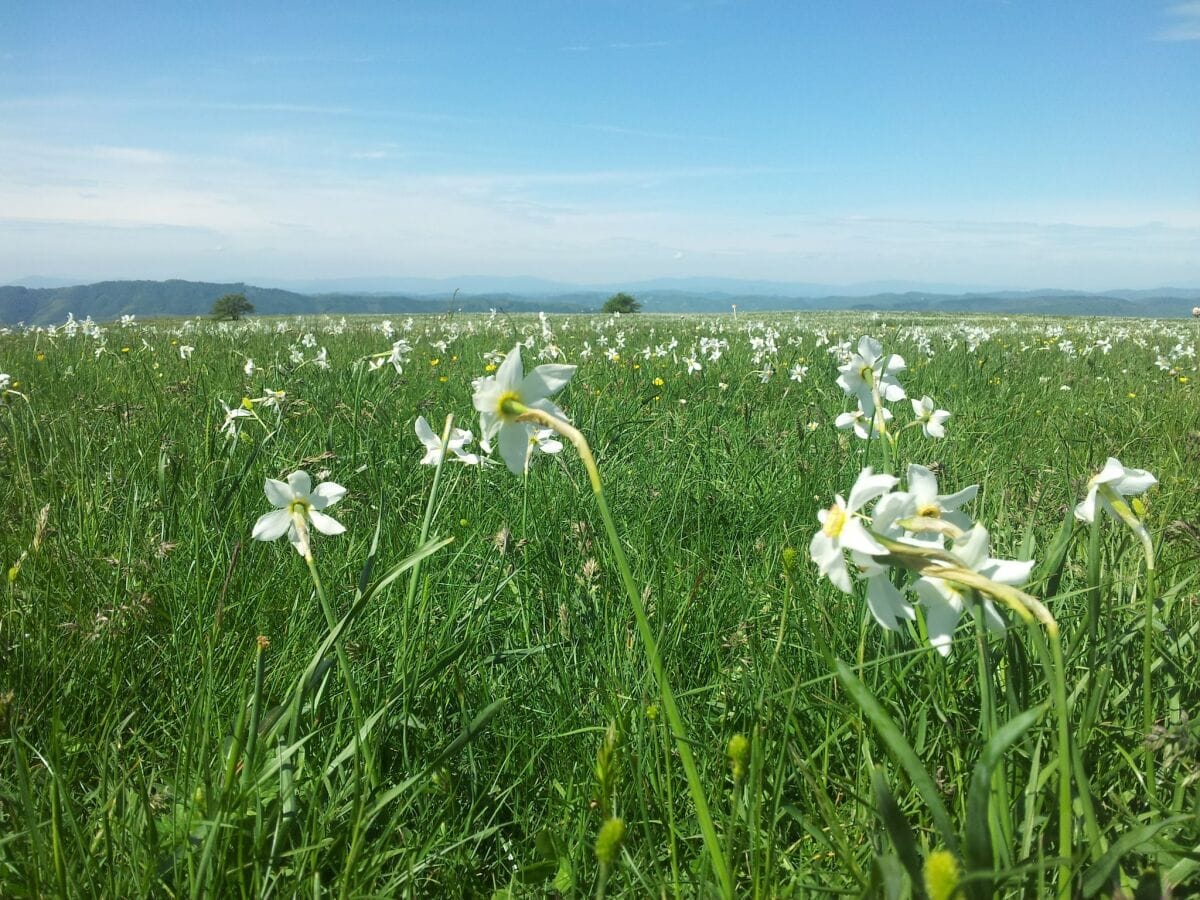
(622, 303)
(232, 306)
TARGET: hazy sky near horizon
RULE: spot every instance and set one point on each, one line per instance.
(1008, 143)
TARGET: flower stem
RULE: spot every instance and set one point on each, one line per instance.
(332, 621)
(1055, 667)
(716, 852)
(1147, 673)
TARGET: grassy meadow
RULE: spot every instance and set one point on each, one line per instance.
(458, 697)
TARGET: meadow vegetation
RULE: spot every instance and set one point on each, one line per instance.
(486, 682)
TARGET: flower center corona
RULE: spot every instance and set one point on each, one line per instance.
(835, 521)
(504, 405)
(929, 511)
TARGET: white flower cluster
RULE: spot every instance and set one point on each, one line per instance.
(942, 556)
(870, 377)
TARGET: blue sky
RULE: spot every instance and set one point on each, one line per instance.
(1026, 143)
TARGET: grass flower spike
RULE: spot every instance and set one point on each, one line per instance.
(502, 398)
(298, 503)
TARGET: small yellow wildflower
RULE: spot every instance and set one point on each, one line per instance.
(490, 367)
(658, 382)
(435, 361)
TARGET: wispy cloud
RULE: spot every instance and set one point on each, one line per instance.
(105, 210)
(638, 45)
(1183, 24)
(136, 155)
(617, 45)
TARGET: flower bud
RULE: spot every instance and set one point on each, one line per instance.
(609, 840)
(738, 752)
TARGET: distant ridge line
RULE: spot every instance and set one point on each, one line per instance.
(109, 300)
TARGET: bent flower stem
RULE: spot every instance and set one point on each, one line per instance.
(522, 413)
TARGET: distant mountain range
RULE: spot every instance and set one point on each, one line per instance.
(38, 302)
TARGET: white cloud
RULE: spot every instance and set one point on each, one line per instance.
(1184, 22)
(106, 212)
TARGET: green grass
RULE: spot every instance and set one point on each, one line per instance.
(131, 677)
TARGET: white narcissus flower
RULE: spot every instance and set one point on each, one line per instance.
(545, 440)
(944, 601)
(297, 504)
(186, 351)
(929, 504)
(248, 368)
(842, 528)
(434, 451)
(932, 420)
(229, 426)
(861, 421)
(868, 370)
(511, 385)
(1119, 480)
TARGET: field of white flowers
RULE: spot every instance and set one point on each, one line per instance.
(865, 605)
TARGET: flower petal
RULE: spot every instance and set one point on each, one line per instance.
(508, 376)
(271, 525)
(514, 446)
(922, 483)
(855, 537)
(1085, 510)
(327, 494)
(278, 492)
(426, 435)
(942, 609)
(300, 484)
(886, 603)
(1111, 472)
(545, 381)
(1133, 482)
(867, 487)
(325, 524)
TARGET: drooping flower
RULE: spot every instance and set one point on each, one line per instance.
(499, 397)
(944, 600)
(932, 420)
(1113, 479)
(298, 503)
(434, 450)
(869, 371)
(842, 528)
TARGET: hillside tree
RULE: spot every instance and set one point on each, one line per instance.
(622, 303)
(232, 306)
